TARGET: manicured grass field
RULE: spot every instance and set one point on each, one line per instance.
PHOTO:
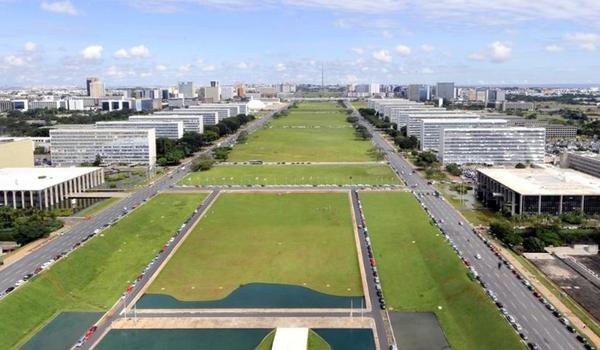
(303, 239)
(360, 104)
(315, 342)
(372, 174)
(420, 272)
(311, 132)
(93, 277)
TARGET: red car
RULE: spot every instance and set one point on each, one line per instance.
(91, 331)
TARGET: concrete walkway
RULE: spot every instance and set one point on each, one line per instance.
(290, 339)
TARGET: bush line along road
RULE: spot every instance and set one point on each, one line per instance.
(538, 323)
(12, 273)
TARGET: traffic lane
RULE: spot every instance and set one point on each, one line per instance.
(496, 280)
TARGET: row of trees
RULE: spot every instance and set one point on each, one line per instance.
(540, 235)
(360, 131)
(26, 225)
(229, 125)
(370, 115)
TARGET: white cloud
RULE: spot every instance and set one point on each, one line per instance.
(64, 7)
(500, 52)
(496, 52)
(209, 68)
(427, 48)
(382, 56)
(14, 61)
(30, 47)
(242, 65)
(427, 71)
(585, 41)
(280, 67)
(349, 79)
(358, 50)
(139, 51)
(121, 53)
(161, 68)
(403, 50)
(93, 52)
(387, 34)
(185, 68)
(553, 48)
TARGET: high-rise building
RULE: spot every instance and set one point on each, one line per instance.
(445, 91)
(492, 146)
(418, 92)
(166, 129)
(187, 89)
(95, 87)
(114, 146)
(191, 122)
(432, 128)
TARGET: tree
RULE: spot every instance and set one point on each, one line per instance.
(406, 143)
(352, 120)
(425, 158)
(454, 169)
(533, 244)
(377, 153)
(501, 229)
(242, 137)
(210, 136)
(520, 166)
(202, 163)
(97, 161)
(222, 153)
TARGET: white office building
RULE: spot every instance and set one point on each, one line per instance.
(167, 129)
(45, 188)
(114, 146)
(191, 123)
(222, 112)
(208, 117)
(492, 146)
(431, 129)
(413, 125)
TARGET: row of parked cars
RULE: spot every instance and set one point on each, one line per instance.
(478, 231)
(131, 287)
(363, 227)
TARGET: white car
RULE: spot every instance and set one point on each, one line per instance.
(478, 256)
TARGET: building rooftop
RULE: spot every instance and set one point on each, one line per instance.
(590, 155)
(461, 120)
(545, 181)
(36, 179)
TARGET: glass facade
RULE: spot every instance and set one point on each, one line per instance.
(571, 203)
(531, 204)
(550, 205)
(591, 204)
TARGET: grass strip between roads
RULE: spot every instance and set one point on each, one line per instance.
(93, 277)
(310, 132)
(369, 174)
(303, 239)
(420, 272)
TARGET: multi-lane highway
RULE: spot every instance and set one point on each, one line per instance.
(12, 273)
(538, 323)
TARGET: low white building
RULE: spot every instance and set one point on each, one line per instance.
(413, 125)
(45, 188)
(191, 123)
(114, 146)
(431, 129)
(167, 129)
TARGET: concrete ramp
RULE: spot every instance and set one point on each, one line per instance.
(290, 339)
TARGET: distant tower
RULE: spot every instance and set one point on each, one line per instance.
(322, 77)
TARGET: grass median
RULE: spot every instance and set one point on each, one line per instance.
(420, 272)
(93, 277)
(370, 174)
(303, 239)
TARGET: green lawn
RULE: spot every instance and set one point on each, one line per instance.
(373, 174)
(93, 277)
(301, 239)
(315, 342)
(420, 272)
(98, 207)
(311, 132)
(360, 104)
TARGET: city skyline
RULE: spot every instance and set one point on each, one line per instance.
(56, 43)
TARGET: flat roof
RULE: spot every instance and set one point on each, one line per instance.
(36, 179)
(461, 120)
(589, 155)
(545, 181)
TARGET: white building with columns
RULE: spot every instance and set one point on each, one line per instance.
(45, 188)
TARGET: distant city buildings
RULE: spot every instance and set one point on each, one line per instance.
(186, 89)
(445, 91)
(94, 87)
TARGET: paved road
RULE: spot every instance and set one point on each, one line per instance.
(538, 323)
(14, 272)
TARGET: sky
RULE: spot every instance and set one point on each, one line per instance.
(159, 42)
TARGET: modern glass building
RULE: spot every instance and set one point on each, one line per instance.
(539, 190)
(114, 146)
(168, 129)
(492, 146)
(431, 129)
